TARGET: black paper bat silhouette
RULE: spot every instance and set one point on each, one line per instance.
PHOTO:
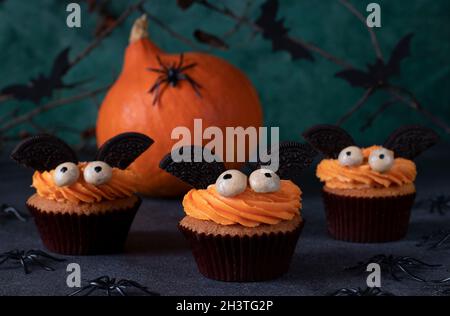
(406, 142)
(275, 31)
(379, 73)
(43, 86)
(293, 157)
(46, 152)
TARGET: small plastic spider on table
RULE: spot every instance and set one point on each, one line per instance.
(368, 291)
(28, 258)
(394, 265)
(9, 210)
(439, 203)
(171, 75)
(436, 239)
(111, 286)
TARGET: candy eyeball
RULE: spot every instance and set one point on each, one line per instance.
(231, 183)
(381, 160)
(66, 174)
(351, 156)
(264, 181)
(97, 172)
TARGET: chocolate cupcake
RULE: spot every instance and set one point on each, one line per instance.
(368, 192)
(242, 229)
(82, 208)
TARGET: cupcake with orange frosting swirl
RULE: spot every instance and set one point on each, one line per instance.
(82, 208)
(242, 228)
(368, 192)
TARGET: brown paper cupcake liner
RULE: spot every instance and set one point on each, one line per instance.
(368, 220)
(73, 234)
(243, 258)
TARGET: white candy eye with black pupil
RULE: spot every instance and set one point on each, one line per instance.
(381, 160)
(264, 181)
(66, 174)
(351, 156)
(231, 183)
(97, 172)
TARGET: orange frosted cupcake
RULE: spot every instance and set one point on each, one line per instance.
(82, 208)
(368, 192)
(242, 229)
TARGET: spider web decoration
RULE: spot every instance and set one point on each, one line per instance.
(29, 258)
(10, 211)
(435, 240)
(111, 286)
(368, 291)
(393, 266)
(439, 203)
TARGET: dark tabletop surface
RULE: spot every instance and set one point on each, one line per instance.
(157, 256)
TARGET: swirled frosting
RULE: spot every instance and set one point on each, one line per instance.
(337, 176)
(121, 185)
(248, 209)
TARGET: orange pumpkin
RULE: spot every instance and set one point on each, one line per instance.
(157, 92)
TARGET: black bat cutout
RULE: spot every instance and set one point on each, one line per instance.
(275, 31)
(293, 158)
(44, 85)
(328, 139)
(197, 174)
(121, 150)
(43, 152)
(410, 141)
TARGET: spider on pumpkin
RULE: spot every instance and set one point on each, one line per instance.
(394, 265)
(110, 285)
(29, 257)
(171, 75)
(368, 291)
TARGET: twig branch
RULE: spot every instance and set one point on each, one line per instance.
(166, 28)
(26, 117)
(373, 36)
(408, 98)
(244, 20)
(106, 33)
(383, 107)
(357, 106)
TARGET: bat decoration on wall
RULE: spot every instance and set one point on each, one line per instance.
(406, 142)
(293, 157)
(44, 85)
(380, 72)
(46, 152)
(275, 31)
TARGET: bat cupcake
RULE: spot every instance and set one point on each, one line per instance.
(82, 208)
(368, 192)
(242, 228)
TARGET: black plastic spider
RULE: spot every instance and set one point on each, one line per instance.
(110, 286)
(171, 75)
(435, 240)
(394, 265)
(10, 210)
(368, 291)
(27, 258)
(439, 203)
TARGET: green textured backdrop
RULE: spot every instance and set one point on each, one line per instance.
(295, 94)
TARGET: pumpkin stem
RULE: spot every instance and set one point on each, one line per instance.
(139, 30)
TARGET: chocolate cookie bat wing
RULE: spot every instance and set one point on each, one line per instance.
(198, 174)
(328, 139)
(43, 152)
(121, 150)
(293, 157)
(410, 141)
